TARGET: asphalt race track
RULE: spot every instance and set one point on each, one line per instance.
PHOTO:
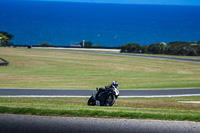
(10, 123)
(87, 93)
(142, 56)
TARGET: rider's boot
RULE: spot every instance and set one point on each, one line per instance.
(94, 95)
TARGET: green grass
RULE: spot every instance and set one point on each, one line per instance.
(50, 69)
(39, 68)
(137, 108)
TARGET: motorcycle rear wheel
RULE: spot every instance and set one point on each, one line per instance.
(91, 101)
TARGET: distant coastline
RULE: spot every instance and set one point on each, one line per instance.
(172, 48)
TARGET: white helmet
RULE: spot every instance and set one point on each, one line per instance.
(115, 83)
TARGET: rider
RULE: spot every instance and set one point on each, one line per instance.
(110, 86)
(113, 85)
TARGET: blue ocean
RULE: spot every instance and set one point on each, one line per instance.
(110, 25)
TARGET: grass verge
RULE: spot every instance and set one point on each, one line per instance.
(46, 69)
(158, 108)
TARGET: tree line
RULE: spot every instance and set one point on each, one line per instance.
(4, 39)
(172, 48)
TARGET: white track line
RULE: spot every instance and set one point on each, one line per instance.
(41, 96)
(89, 96)
(184, 95)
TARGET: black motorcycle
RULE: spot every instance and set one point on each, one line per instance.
(107, 97)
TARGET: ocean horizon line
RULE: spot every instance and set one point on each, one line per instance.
(100, 3)
(112, 3)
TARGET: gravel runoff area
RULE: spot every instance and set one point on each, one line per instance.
(11, 123)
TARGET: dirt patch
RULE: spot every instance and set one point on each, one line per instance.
(197, 102)
(3, 62)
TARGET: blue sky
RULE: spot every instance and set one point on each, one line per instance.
(160, 2)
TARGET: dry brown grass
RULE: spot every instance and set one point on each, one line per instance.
(60, 69)
(157, 103)
(95, 60)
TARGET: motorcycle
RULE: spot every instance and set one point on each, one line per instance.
(106, 97)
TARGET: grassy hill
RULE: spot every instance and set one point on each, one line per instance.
(38, 68)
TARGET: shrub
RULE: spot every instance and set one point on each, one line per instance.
(44, 44)
(132, 48)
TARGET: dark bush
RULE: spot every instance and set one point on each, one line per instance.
(86, 44)
(172, 48)
(132, 48)
(44, 44)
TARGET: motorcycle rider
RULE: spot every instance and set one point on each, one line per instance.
(113, 85)
(110, 86)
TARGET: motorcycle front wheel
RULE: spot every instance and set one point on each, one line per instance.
(110, 100)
